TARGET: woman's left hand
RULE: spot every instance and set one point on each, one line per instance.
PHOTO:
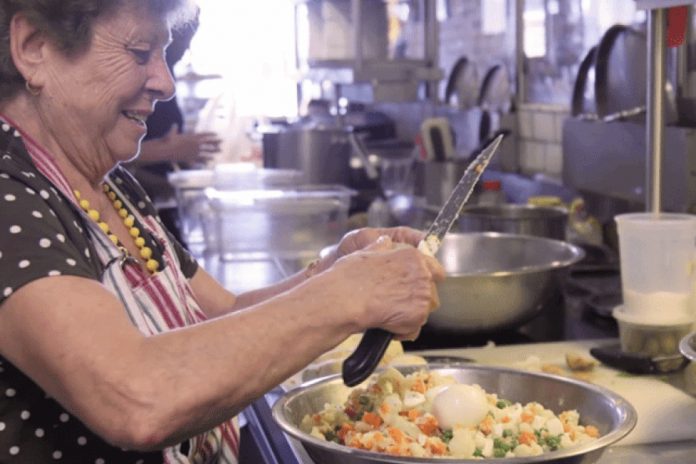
(359, 239)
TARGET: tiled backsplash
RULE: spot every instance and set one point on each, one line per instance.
(539, 138)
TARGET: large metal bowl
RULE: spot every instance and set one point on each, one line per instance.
(610, 413)
(496, 281)
(541, 221)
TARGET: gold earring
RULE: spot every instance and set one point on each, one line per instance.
(35, 91)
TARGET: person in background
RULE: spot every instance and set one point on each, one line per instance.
(167, 144)
(115, 346)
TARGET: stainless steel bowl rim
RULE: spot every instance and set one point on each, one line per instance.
(576, 254)
(687, 346)
(629, 412)
(493, 211)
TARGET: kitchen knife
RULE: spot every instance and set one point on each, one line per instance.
(363, 361)
(637, 363)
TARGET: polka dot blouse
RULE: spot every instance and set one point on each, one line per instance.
(42, 234)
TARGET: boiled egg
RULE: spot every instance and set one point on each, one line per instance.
(460, 404)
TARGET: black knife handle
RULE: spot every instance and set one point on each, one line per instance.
(630, 362)
(364, 360)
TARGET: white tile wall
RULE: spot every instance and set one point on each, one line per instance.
(540, 136)
(544, 126)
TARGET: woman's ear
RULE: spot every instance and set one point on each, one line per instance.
(27, 47)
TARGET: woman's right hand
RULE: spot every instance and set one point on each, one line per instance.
(388, 285)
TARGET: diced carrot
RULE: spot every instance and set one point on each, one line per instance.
(527, 417)
(418, 386)
(486, 425)
(384, 408)
(505, 419)
(373, 419)
(429, 426)
(436, 447)
(592, 431)
(526, 438)
(413, 414)
(396, 434)
(345, 428)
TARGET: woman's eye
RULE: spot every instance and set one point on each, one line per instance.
(142, 56)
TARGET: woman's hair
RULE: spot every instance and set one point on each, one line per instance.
(68, 23)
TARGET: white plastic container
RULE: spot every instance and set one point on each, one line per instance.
(657, 254)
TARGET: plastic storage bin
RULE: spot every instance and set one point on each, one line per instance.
(286, 224)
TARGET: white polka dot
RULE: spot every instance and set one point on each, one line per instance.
(5, 127)
(5, 176)
(82, 441)
(87, 252)
(36, 214)
(54, 273)
(28, 174)
(7, 292)
(2, 426)
(25, 415)
(15, 229)
(0, 254)
(44, 194)
(30, 191)
(99, 461)
(141, 205)
(14, 451)
(44, 243)
(23, 264)
(118, 180)
(60, 237)
(16, 133)
(53, 212)
(6, 157)
(64, 417)
(10, 392)
(10, 197)
(39, 433)
(57, 454)
(71, 261)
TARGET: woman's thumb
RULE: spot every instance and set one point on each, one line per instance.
(383, 242)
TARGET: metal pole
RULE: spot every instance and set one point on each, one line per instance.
(432, 51)
(521, 90)
(655, 109)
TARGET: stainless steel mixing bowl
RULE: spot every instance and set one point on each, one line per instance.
(541, 221)
(610, 413)
(496, 280)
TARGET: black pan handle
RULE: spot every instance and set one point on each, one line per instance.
(364, 360)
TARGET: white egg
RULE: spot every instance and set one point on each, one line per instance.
(461, 405)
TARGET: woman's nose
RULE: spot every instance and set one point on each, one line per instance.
(161, 81)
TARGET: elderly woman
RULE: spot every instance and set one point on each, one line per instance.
(114, 345)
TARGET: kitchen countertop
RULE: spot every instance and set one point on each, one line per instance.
(666, 401)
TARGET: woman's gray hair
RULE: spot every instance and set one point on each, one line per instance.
(68, 23)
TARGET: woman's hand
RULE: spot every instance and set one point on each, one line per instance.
(388, 286)
(359, 239)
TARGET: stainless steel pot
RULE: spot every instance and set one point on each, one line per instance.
(610, 413)
(495, 281)
(541, 221)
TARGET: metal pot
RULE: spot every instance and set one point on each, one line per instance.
(496, 281)
(540, 221)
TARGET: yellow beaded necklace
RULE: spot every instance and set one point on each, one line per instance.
(151, 264)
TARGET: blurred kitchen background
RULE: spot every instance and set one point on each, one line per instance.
(337, 114)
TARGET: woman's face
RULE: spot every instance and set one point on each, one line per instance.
(95, 104)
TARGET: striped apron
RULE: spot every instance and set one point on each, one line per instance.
(154, 303)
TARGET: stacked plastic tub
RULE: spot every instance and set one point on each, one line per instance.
(235, 216)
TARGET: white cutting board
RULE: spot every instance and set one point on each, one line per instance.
(665, 412)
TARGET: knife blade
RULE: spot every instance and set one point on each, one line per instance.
(362, 362)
